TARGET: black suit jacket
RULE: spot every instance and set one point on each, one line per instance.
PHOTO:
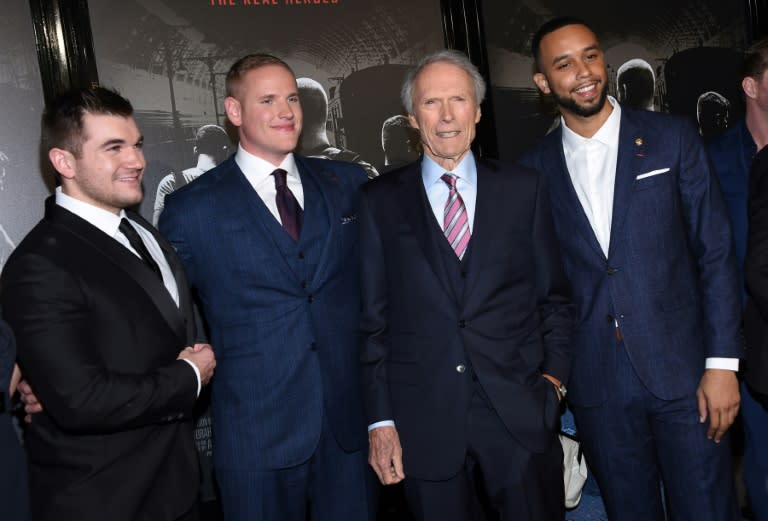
(98, 335)
(511, 323)
(756, 279)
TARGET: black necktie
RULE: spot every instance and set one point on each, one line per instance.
(138, 245)
(291, 214)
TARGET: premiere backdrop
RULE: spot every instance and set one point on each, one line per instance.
(170, 57)
(671, 56)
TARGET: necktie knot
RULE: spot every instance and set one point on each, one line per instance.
(449, 179)
(280, 178)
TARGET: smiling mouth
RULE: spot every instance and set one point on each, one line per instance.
(129, 178)
(448, 133)
(586, 89)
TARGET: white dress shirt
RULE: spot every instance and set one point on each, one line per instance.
(109, 223)
(258, 172)
(591, 165)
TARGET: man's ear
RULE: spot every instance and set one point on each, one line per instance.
(63, 162)
(412, 121)
(749, 85)
(233, 110)
(541, 82)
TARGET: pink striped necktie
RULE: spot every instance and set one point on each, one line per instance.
(455, 218)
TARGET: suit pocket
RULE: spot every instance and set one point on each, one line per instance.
(653, 179)
(652, 173)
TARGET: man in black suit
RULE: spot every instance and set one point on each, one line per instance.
(466, 317)
(756, 278)
(105, 331)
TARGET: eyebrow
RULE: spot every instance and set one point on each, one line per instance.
(593, 47)
(276, 95)
(118, 141)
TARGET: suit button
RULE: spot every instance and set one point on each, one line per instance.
(463, 274)
(612, 271)
(461, 368)
(462, 323)
(310, 298)
(301, 254)
(313, 345)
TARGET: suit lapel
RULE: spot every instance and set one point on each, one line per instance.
(185, 298)
(254, 214)
(124, 260)
(564, 197)
(487, 205)
(631, 143)
(417, 212)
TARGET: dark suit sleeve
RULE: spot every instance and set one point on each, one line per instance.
(48, 311)
(554, 291)
(373, 318)
(756, 262)
(710, 239)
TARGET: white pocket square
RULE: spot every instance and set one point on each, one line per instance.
(652, 173)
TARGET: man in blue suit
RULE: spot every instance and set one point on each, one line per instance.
(269, 240)
(647, 247)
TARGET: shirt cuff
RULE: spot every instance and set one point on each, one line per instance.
(197, 375)
(731, 364)
(383, 423)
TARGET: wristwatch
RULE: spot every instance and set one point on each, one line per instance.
(558, 385)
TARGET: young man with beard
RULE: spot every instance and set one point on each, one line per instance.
(647, 247)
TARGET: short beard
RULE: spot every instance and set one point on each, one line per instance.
(573, 106)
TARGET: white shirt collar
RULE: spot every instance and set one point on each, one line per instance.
(258, 170)
(102, 219)
(608, 134)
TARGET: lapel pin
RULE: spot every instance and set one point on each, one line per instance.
(639, 143)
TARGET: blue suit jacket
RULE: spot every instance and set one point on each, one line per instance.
(670, 277)
(731, 156)
(286, 345)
